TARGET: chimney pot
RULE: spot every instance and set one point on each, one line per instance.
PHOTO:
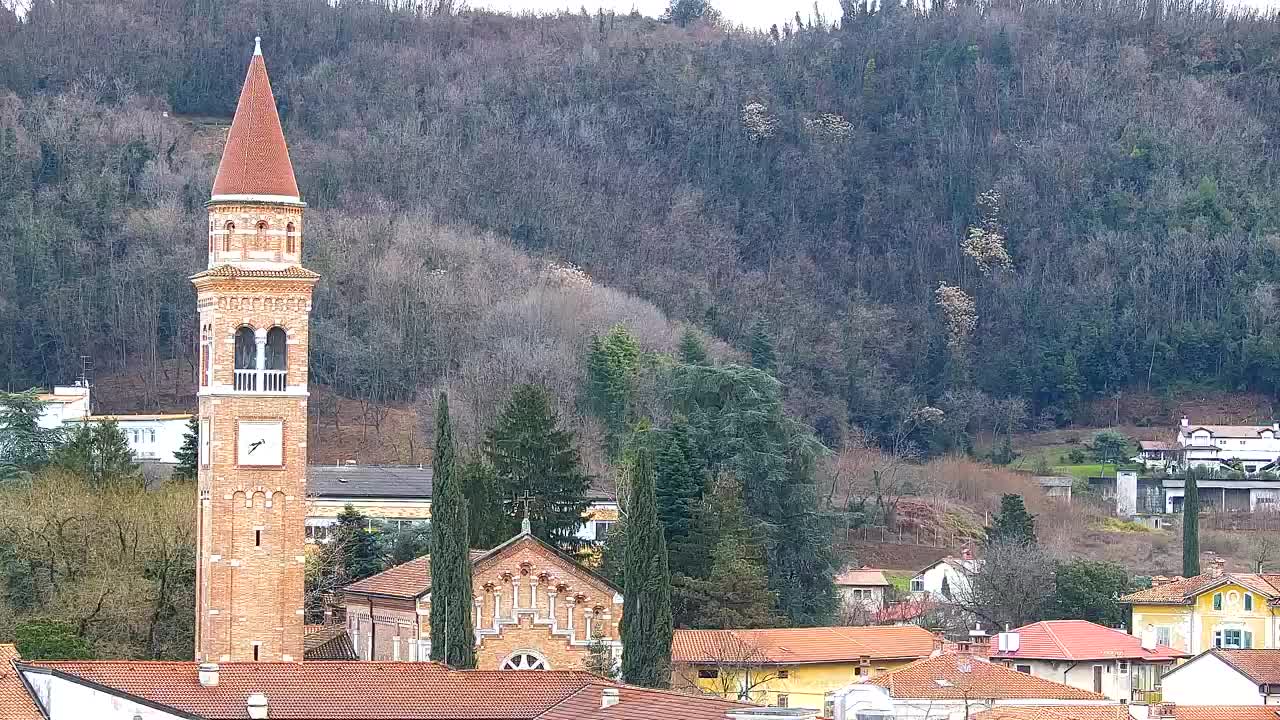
(257, 706)
(1185, 421)
(208, 673)
(609, 697)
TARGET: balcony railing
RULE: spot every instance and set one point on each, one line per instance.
(261, 380)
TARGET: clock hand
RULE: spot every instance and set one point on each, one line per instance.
(256, 445)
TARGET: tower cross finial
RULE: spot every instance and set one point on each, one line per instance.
(524, 499)
(257, 45)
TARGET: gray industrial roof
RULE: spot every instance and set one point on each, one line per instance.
(407, 482)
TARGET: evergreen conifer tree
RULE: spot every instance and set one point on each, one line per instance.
(763, 356)
(99, 453)
(189, 453)
(612, 362)
(1013, 523)
(488, 523)
(735, 593)
(355, 548)
(452, 633)
(646, 625)
(1191, 521)
(692, 349)
(801, 560)
(679, 491)
(613, 553)
(24, 444)
(529, 452)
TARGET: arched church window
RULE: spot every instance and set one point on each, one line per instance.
(277, 349)
(230, 227)
(289, 237)
(246, 349)
(525, 660)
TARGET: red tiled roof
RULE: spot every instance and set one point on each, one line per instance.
(407, 580)
(15, 702)
(1260, 666)
(790, 646)
(862, 577)
(641, 704)
(255, 160)
(330, 690)
(1082, 640)
(1056, 712)
(905, 610)
(232, 271)
(1226, 712)
(1184, 590)
(956, 677)
(327, 642)
(1155, 445)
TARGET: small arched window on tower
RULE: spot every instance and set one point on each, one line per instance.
(246, 360)
(290, 239)
(260, 240)
(276, 360)
(230, 227)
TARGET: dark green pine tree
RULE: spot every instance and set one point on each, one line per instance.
(692, 349)
(1191, 521)
(452, 640)
(189, 453)
(763, 356)
(99, 453)
(646, 625)
(613, 553)
(1013, 524)
(679, 490)
(355, 548)
(488, 523)
(801, 561)
(612, 362)
(529, 452)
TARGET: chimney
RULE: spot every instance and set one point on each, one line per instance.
(939, 642)
(608, 698)
(257, 705)
(1161, 711)
(208, 674)
(1185, 421)
(966, 553)
(1215, 566)
(1149, 638)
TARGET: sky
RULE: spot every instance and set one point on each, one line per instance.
(751, 13)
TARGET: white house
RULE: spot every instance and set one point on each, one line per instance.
(946, 579)
(1226, 677)
(151, 438)
(1088, 656)
(1250, 448)
(955, 686)
(861, 589)
(67, 403)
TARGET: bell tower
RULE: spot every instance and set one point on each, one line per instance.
(254, 302)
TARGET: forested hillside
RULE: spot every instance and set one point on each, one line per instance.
(935, 222)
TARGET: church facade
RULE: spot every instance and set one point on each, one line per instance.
(535, 609)
(253, 303)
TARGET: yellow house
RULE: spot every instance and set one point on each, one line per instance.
(1216, 609)
(791, 667)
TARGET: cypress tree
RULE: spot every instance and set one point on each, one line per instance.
(452, 641)
(678, 491)
(189, 453)
(1013, 523)
(529, 452)
(646, 624)
(1191, 522)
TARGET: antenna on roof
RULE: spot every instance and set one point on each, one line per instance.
(257, 45)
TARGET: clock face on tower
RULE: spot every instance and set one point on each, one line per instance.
(260, 442)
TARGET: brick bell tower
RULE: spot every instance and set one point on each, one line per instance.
(253, 301)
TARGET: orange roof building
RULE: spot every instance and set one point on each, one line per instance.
(15, 701)
(319, 690)
(797, 667)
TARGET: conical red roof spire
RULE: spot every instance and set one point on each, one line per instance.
(255, 161)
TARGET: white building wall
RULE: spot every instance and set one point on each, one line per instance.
(932, 579)
(66, 700)
(1206, 680)
(153, 439)
(69, 403)
(1116, 685)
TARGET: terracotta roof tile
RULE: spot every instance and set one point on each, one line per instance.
(1056, 712)
(327, 642)
(951, 677)
(1229, 431)
(1226, 712)
(406, 580)
(1082, 640)
(790, 646)
(862, 577)
(15, 702)
(255, 160)
(1260, 666)
(1184, 590)
(233, 271)
(640, 704)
